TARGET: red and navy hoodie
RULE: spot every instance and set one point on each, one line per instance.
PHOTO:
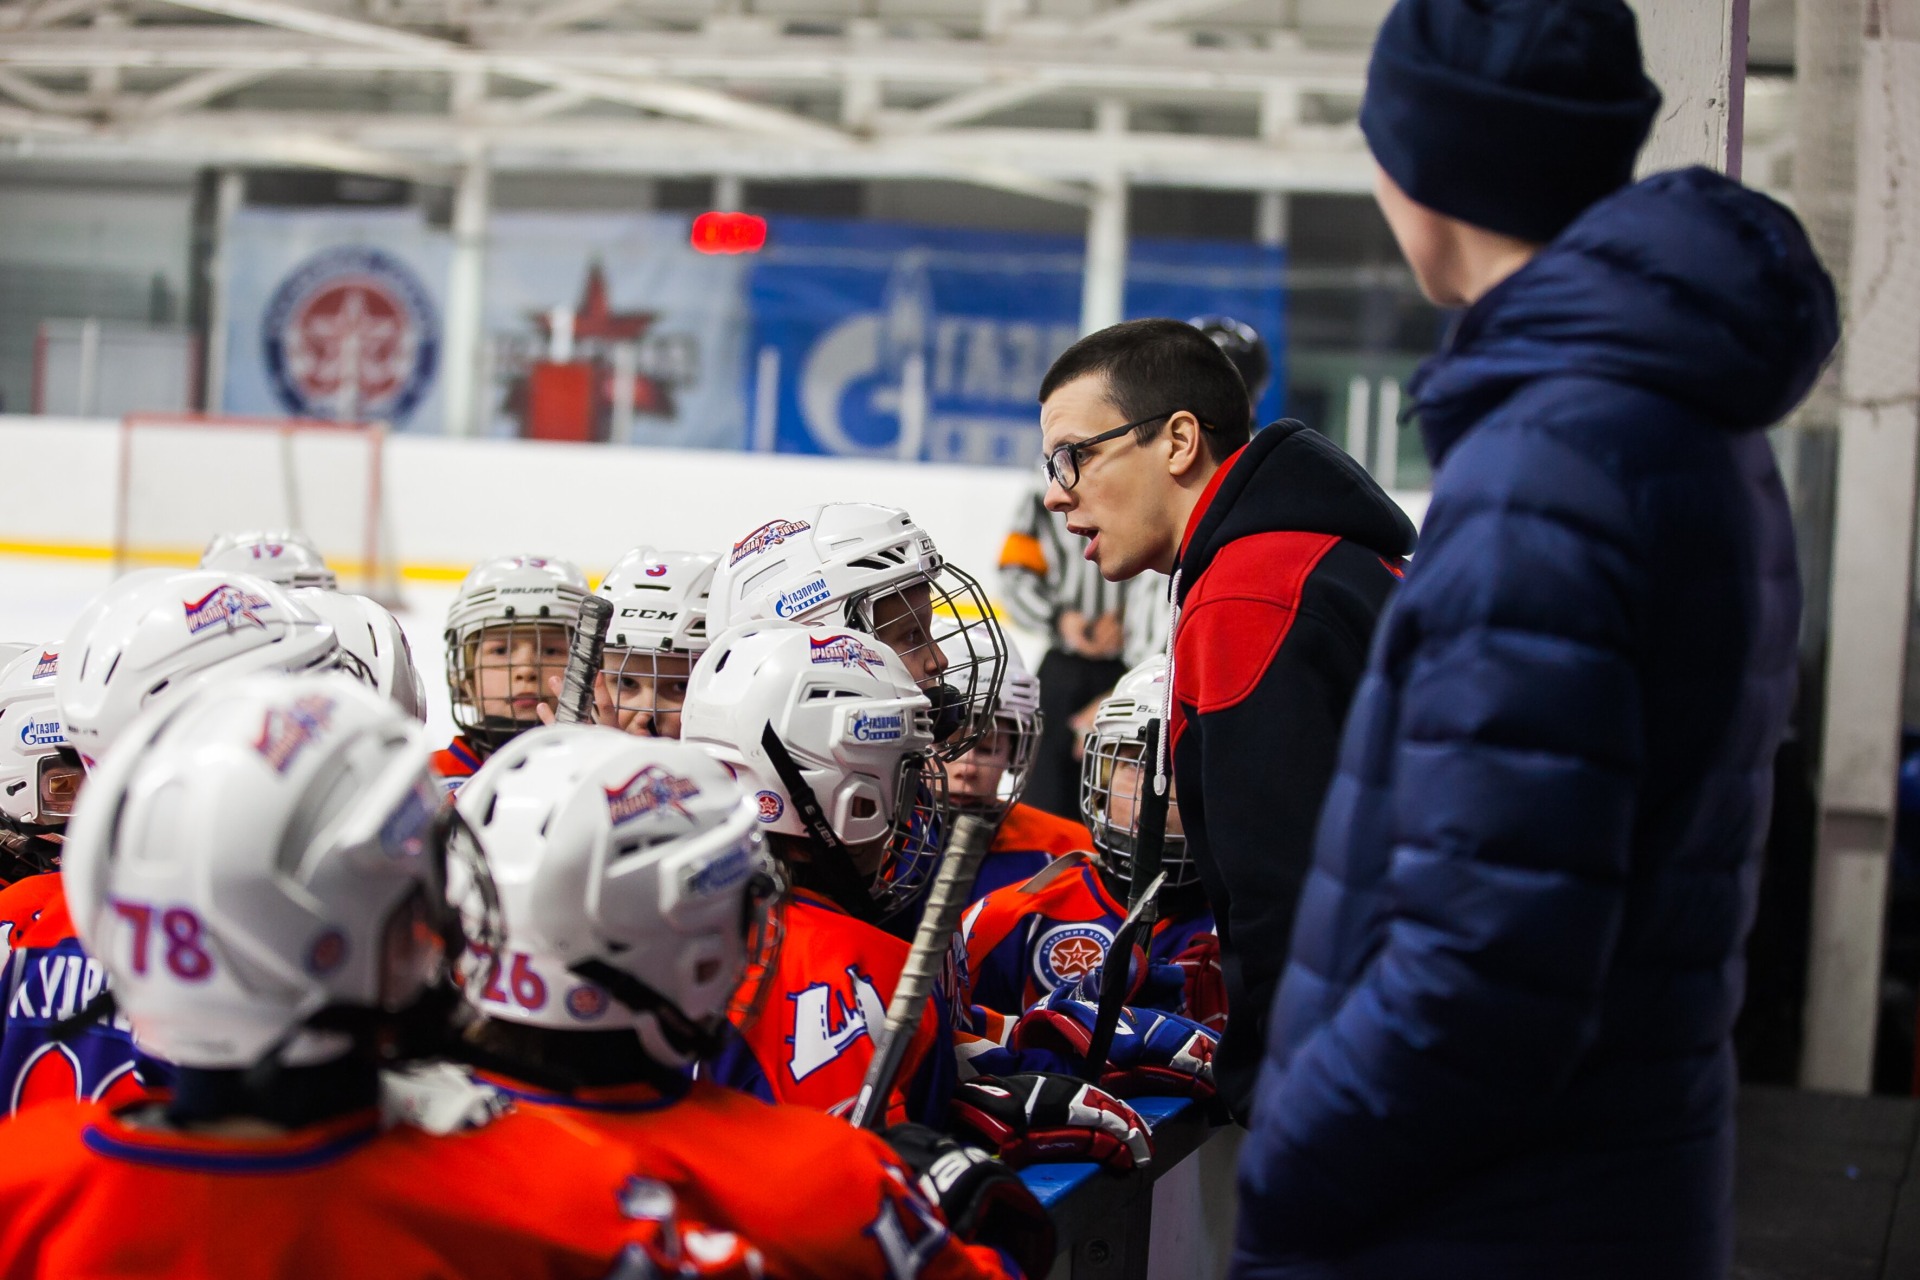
(1286, 564)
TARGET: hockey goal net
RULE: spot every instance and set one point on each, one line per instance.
(185, 477)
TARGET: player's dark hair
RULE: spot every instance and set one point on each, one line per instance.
(1155, 366)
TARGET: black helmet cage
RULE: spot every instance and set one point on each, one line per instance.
(957, 620)
(922, 815)
(465, 665)
(1114, 841)
(632, 677)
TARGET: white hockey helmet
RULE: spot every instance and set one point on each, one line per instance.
(11, 649)
(1115, 776)
(260, 854)
(167, 631)
(871, 568)
(372, 646)
(851, 727)
(527, 603)
(635, 885)
(40, 775)
(281, 556)
(658, 630)
(991, 778)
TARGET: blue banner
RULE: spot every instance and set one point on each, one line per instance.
(882, 340)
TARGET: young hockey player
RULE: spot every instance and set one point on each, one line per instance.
(373, 646)
(636, 888)
(1035, 946)
(507, 635)
(871, 569)
(150, 637)
(658, 631)
(281, 556)
(39, 774)
(260, 868)
(834, 740)
(990, 778)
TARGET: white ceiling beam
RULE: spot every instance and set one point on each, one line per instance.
(554, 17)
(1144, 14)
(670, 98)
(31, 14)
(796, 60)
(537, 106)
(33, 94)
(15, 120)
(968, 105)
(196, 90)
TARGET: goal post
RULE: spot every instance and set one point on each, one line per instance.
(182, 478)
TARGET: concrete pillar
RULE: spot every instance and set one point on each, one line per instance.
(1104, 285)
(1872, 564)
(1697, 53)
(228, 197)
(466, 283)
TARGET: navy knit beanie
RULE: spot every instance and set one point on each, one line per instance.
(1512, 115)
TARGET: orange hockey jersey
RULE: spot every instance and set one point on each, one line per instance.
(820, 1198)
(85, 1193)
(1025, 841)
(455, 763)
(810, 1044)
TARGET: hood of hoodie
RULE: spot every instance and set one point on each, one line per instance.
(1686, 284)
(1292, 479)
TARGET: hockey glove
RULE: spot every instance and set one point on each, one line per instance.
(1204, 987)
(1153, 1052)
(983, 1200)
(1036, 1118)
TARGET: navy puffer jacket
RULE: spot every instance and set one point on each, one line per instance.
(1501, 1046)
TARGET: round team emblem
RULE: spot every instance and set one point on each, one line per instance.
(771, 806)
(1069, 952)
(586, 1002)
(351, 333)
(328, 952)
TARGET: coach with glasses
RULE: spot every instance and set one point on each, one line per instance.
(1283, 552)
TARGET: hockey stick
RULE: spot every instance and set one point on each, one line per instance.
(585, 657)
(1143, 906)
(958, 870)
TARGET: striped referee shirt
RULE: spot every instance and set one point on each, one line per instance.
(1043, 574)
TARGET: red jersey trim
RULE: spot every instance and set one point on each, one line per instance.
(625, 1099)
(1206, 499)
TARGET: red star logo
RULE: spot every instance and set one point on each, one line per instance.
(1076, 957)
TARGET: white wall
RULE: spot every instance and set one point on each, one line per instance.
(452, 502)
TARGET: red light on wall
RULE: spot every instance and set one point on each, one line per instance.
(729, 233)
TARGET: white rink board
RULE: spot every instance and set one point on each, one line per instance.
(452, 502)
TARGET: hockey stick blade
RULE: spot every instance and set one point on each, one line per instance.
(584, 659)
(958, 869)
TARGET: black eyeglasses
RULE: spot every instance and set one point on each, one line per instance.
(1062, 462)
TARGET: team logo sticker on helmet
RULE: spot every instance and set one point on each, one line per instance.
(656, 571)
(586, 1002)
(845, 651)
(351, 333)
(871, 726)
(288, 730)
(42, 733)
(770, 534)
(650, 789)
(1069, 952)
(797, 601)
(327, 953)
(225, 603)
(48, 665)
(771, 805)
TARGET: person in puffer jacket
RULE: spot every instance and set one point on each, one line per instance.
(1501, 1047)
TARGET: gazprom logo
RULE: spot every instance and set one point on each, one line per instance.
(722, 873)
(42, 733)
(797, 601)
(871, 727)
